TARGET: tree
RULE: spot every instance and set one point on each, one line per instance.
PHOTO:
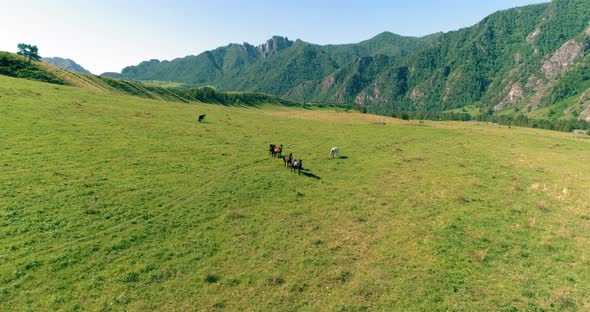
(30, 52)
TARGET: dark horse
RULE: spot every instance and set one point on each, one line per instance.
(201, 117)
(296, 164)
(288, 159)
(271, 150)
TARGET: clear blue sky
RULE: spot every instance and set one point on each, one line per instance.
(108, 35)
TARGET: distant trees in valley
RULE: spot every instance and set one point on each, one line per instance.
(520, 120)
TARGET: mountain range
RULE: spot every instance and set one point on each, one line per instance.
(530, 60)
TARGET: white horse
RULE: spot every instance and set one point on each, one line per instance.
(334, 152)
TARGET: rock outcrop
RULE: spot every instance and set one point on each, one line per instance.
(562, 59)
(274, 45)
(515, 95)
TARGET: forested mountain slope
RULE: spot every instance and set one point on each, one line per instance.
(530, 60)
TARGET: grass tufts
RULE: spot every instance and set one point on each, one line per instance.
(234, 215)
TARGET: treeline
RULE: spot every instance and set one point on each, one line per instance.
(565, 125)
(202, 94)
(210, 95)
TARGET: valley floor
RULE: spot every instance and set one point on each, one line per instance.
(118, 203)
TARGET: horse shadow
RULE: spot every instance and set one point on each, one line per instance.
(308, 174)
(340, 157)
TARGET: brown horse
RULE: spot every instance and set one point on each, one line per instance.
(278, 151)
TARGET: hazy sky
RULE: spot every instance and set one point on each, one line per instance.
(107, 35)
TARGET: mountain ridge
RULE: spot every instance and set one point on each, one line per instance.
(214, 71)
(526, 60)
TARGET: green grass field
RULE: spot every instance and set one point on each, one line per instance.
(112, 202)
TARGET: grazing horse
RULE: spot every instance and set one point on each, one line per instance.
(271, 150)
(288, 159)
(278, 151)
(201, 117)
(296, 164)
(334, 152)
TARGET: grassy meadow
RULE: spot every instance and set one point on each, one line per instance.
(111, 202)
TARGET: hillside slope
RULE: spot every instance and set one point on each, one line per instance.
(386, 43)
(512, 60)
(114, 202)
(13, 65)
(283, 71)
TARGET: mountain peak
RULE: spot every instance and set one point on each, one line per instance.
(274, 45)
(66, 64)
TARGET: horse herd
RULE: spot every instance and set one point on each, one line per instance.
(276, 151)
